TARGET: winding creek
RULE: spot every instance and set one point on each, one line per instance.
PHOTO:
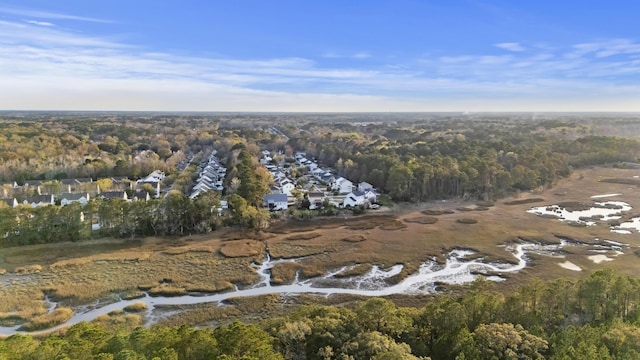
(456, 270)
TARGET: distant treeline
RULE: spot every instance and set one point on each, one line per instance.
(174, 214)
(594, 318)
(487, 159)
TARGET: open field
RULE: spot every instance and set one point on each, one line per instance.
(103, 270)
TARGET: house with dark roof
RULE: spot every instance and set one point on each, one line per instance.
(113, 195)
(39, 200)
(276, 202)
(10, 202)
(140, 196)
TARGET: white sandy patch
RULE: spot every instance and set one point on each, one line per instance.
(604, 196)
(570, 266)
(620, 231)
(599, 258)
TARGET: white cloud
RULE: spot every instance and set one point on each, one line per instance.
(47, 15)
(45, 67)
(40, 23)
(357, 55)
(510, 46)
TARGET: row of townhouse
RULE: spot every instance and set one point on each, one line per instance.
(70, 198)
(36, 193)
(210, 177)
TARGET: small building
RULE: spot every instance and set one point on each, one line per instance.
(155, 177)
(39, 200)
(68, 198)
(140, 196)
(342, 185)
(113, 195)
(316, 200)
(10, 202)
(276, 202)
(353, 199)
(364, 186)
(286, 186)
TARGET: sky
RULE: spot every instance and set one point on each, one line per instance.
(320, 56)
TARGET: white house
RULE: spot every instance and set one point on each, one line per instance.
(353, 199)
(276, 202)
(316, 200)
(68, 198)
(364, 186)
(342, 185)
(286, 186)
(371, 196)
(155, 177)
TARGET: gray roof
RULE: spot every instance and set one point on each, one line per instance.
(275, 198)
(358, 193)
(37, 199)
(73, 196)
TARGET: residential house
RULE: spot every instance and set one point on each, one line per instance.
(75, 185)
(155, 177)
(316, 200)
(68, 198)
(140, 196)
(10, 202)
(353, 199)
(342, 186)
(364, 186)
(276, 202)
(286, 186)
(371, 196)
(154, 184)
(39, 200)
(113, 195)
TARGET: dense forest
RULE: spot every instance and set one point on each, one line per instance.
(456, 158)
(594, 318)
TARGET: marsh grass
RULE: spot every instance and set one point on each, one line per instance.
(84, 272)
(525, 201)
(393, 226)
(425, 220)
(167, 291)
(357, 270)
(354, 238)
(242, 248)
(49, 320)
(467, 221)
(119, 322)
(135, 307)
(304, 236)
(284, 273)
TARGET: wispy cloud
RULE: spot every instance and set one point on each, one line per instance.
(510, 46)
(47, 67)
(39, 23)
(357, 55)
(48, 15)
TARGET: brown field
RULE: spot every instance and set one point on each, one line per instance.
(81, 273)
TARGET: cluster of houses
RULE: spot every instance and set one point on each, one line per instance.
(210, 177)
(323, 184)
(35, 193)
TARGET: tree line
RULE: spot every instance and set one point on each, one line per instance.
(597, 317)
(174, 214)
(424, 161)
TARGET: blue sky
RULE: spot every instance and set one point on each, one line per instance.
(325, 55)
